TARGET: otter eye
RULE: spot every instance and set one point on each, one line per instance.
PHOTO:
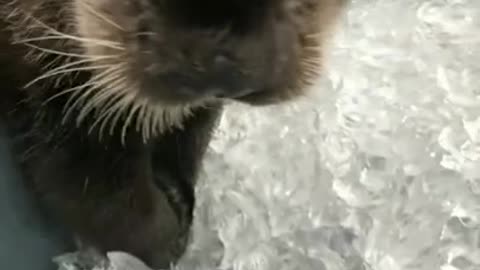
(238, 15)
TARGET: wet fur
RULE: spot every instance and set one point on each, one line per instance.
(107, 193)
(117, 167)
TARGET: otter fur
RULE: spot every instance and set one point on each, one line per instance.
(110, 104)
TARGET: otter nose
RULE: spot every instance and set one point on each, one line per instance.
(225, 80)
(221, 77)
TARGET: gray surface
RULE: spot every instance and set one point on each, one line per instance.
(27, 242)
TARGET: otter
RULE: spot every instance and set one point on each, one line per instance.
(111, 104)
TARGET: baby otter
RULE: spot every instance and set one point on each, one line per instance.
(110, 104)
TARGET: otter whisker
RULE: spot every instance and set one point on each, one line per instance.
(97, 94)
(68, 110)
(57, 58)
(106, 112)
(101, 16)
(134, 108)
(64, 71)
(73, 98)
(146, 120)
(146, 33)
(155, 121)
(114, 71)
(114, 110)
(159, 121)
(315, 49)
(107, 90)
(315, 36)
(112, 97)
(80, 99)
(109, 99)
(99, 98)
(105, 83)
(100, 42)
(311, 66)
(141, 116)
(61, 35)
(123, 104)
(57, 52)
(79, 62)
(64, 92)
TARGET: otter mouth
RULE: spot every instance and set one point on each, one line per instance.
(223, 83)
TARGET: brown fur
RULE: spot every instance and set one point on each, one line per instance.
(110, 103)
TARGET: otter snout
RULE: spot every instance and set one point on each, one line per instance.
(226, 52)
(220, 77)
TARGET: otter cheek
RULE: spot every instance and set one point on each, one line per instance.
(102, 27)
(89, 28)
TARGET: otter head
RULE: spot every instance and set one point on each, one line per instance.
(160, 58)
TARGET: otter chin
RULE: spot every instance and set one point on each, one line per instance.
(111, 104)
